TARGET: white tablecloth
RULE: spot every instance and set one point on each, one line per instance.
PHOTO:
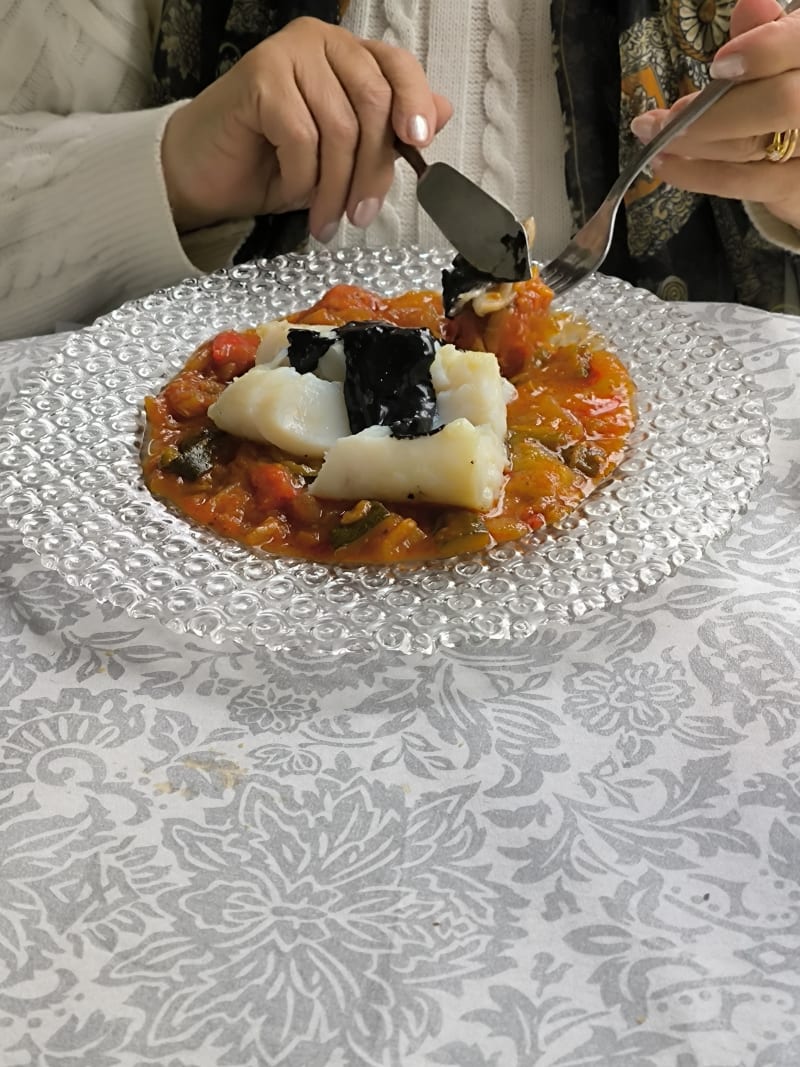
(581, 851)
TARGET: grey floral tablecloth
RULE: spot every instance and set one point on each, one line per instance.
(583, 851)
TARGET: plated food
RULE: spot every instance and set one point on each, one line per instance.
(371, 429)
(71, 450)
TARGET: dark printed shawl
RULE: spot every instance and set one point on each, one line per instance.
(615, 61)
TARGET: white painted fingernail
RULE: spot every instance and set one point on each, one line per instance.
(418, 129)
(366, 212)
(328, 232)
(732, 66)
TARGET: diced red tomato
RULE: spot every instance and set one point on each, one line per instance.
(533, 518)
(228, 509)
(592, 406)
(233, 353)
(273, 485)
(342, 303)
(190, 394)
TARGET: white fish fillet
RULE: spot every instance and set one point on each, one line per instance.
(300, 413)
(274, 348)
(461, 466)
(469, 385)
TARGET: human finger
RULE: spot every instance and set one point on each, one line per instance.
(748, 110)
(737, 150)
(762, 51)
(338, 131)
(370, 96)
(760, 182)
(444, 111)
(286, 123)
(650, 123)
(747, 14)
(689, 145)
(415, 115)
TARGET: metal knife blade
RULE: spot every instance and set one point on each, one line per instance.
(483, 230)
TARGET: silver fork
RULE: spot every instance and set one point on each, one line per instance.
(589, 247)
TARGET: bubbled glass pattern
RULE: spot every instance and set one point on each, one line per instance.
(70, 479)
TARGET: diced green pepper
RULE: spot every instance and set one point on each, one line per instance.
(193, 457)
(584, 457)
(460, 531)
(303, 470)
(347, 534)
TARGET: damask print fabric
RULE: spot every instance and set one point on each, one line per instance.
(584, 849)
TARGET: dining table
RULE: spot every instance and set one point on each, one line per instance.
(581, 848)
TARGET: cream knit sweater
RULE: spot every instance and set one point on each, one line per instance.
(84, 217)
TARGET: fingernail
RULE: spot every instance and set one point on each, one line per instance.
(645, 127)
(328, 232)
(418, 129)
(732, 66)
(366, 212)
(656, 163)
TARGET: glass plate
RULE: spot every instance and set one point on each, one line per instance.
(71, 483)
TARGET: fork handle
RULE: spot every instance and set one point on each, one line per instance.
(714, 91)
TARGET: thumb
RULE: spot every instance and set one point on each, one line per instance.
(444, 111)
(751, 13)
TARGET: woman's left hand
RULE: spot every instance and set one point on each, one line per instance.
(723, 153)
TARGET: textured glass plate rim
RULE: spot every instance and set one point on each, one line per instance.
(687, 474)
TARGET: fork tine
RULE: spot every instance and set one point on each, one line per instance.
(554, 277)
(550, 274)
(561, 286)
(553, 280)
(566, 270)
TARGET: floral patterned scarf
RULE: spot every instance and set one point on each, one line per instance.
(637, 55)
(613, 61)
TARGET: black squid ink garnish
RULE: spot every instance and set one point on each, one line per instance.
(388, 378)
(307, 347)
(461, 277)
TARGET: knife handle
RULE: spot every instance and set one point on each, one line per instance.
(411, 155)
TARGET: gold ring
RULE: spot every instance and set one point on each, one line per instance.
(782, 146)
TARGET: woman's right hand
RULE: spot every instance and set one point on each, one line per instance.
(306, 119)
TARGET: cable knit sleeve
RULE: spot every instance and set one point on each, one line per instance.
(84, 218)
(773, 229)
